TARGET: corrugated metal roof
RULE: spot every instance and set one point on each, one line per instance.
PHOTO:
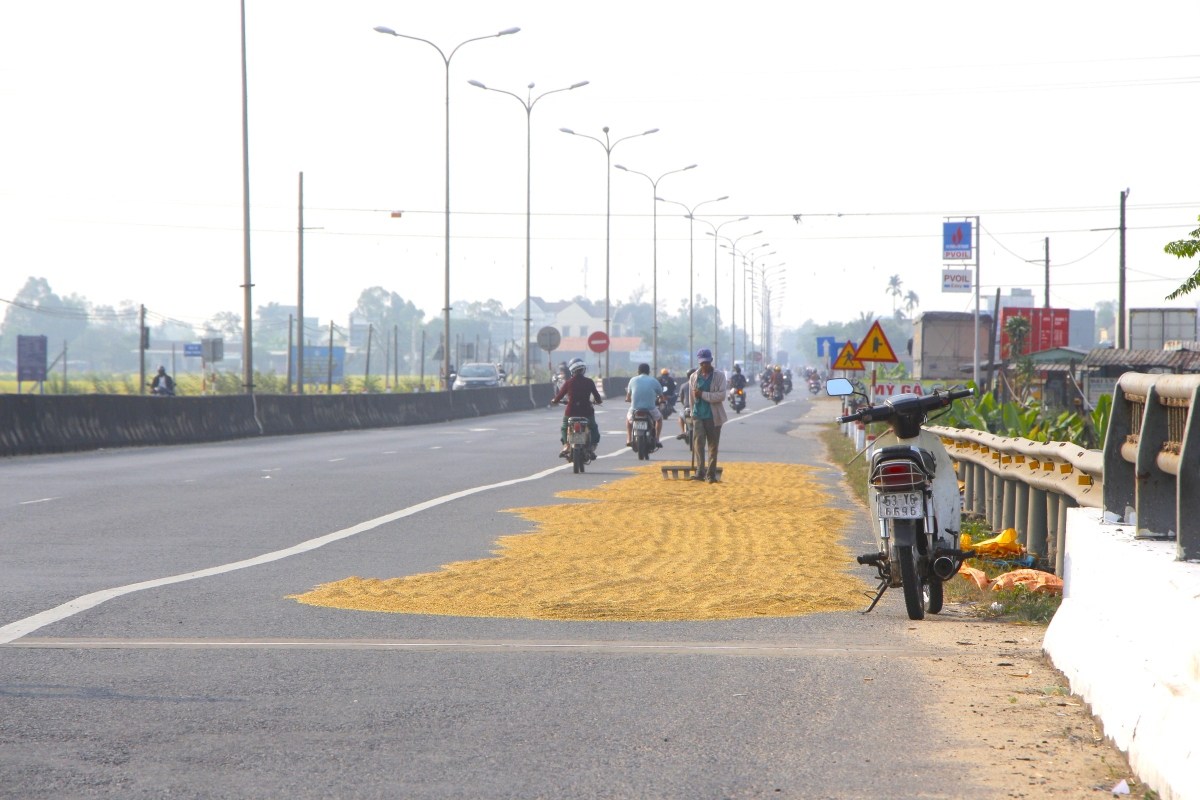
(1113, 357)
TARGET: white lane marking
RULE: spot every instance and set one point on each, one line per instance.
(23, 627)
(31, 502)
(480, 430)
(436, 447)
(389, 452)
(741, 417)
(190, 480)
(336, 459)
(272, 469)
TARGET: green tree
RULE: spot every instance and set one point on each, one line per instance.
(1018, 329)
(911, 301)
(893, 288)
(1186, 248)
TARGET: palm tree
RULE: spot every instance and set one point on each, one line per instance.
(911, 301)
(865, 318)
(1018, 329)
(893, 288)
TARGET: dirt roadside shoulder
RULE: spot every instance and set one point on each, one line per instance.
(1016, 725)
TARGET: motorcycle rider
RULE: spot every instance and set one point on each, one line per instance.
(643, 393)
(162, 383)
(666, 381)
(737, 380)
(777, 379)
(582, 395)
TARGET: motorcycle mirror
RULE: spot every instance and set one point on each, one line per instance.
(838, 387)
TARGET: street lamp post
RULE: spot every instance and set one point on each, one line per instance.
(528, 102)
(733, 254)
(716, 234)
(654, 292)
(446, 60)
(608, 146)
(748, 297)
(691, 218)
(765, 275)
(247, 285)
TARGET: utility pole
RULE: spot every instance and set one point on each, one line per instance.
(1047, 303)
(66, 386)
(289, 356)
(367, 373)
(142, 350)
(396, 356)
(329, 373)
(1121, 342)
(422, 361)
(299, 292)
(247, 309)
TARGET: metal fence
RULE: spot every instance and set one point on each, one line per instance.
(1148, 474)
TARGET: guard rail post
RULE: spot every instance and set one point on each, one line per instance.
(1021, 515)
(980, 487)
(1153, 445)
(1052, 549)
(1008, 517)
(966, 474)
(1036, 523)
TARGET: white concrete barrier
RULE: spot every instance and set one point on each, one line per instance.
(1128, 638)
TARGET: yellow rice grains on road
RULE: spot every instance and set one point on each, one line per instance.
(763, 543)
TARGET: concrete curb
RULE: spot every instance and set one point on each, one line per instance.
(31, 424)
(1128, 638)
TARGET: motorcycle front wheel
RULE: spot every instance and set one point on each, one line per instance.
(914, 594)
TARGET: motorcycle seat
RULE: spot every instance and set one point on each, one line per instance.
(924, 458)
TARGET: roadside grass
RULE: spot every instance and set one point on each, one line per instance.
(841, 451)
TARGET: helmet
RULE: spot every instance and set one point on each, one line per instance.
(577, 365)
(779, 369)
(665, 371)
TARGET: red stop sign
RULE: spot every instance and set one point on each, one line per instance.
(598, 342)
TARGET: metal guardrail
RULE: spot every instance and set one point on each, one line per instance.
(1148, 474)
(1025, 485)
(1152, 458)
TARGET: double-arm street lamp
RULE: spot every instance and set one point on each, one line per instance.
(747, 290)
(716, 234)
(769, 280)
(528, 102)
(654, 195)
(691, 218)
(446, 60)
(608, 146)
(731, 246)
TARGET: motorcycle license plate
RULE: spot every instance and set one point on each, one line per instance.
(900, 505)
(641, 425)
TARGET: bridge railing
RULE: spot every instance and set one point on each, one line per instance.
(1148, 474)
(1025, 485)
(1152, 458)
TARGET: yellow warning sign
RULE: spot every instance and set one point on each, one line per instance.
(875, 347)
(846, 359)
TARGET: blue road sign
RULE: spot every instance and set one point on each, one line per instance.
(193, 350)
(316, 364)
(827, 341)
(31, 358)
(956, 240)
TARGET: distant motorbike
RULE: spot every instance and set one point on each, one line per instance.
(644, 440)
(687, 427)
(814, 387)
(579, 440)
(777, 394)
(737, 399)
(162, 391)
(915, 499)
(669, 400)
(765, 386)
(787, 383)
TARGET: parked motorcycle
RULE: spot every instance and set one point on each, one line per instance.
(644, 440)
(579, 440)
(914, 495)
(737, 400)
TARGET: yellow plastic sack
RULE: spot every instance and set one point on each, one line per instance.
(1005, 544)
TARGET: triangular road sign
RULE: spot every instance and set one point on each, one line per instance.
(875, 347)
(846, 359)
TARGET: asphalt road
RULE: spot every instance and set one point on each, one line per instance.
(218, 686)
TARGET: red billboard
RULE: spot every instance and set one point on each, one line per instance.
(1051, 327)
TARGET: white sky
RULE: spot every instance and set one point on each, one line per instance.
(120, 156)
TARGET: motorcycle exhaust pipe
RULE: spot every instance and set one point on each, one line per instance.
(944, 567)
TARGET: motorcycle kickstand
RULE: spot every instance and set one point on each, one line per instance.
(883, 587)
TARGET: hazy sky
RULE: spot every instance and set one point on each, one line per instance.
(120, 156)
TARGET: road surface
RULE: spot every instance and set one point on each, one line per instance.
(218, 686)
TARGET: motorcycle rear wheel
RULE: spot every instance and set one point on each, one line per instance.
(578, 458)
(914, 594)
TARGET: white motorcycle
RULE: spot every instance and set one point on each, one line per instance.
(913, 493)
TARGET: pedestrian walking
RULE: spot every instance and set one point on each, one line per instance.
(706, 391)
